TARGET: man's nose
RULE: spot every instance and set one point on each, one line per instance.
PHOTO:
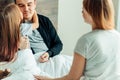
(26, 8)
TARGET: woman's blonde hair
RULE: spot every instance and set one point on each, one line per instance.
(9, 32)
(102, 13)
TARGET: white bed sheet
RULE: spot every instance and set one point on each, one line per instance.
(57, 66)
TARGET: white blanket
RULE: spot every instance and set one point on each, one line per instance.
(25, 66)
(56, 66)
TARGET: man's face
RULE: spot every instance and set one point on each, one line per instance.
(27, 8)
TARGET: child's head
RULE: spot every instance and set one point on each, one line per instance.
(10, 19)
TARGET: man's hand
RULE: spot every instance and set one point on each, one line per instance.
(44, 57)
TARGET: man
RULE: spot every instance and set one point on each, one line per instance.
(43, 38)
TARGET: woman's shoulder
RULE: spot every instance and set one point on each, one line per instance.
(86, 36)
(89, 37)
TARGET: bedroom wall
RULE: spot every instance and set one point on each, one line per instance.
(49, 8)
(117, 14)
(71, 24)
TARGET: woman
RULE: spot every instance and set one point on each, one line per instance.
(97, 53)
(21, 63)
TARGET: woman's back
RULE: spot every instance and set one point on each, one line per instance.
(102, 55)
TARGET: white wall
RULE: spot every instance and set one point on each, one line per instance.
(70, 24)
(117, 13)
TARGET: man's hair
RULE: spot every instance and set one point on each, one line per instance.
(102, 13)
